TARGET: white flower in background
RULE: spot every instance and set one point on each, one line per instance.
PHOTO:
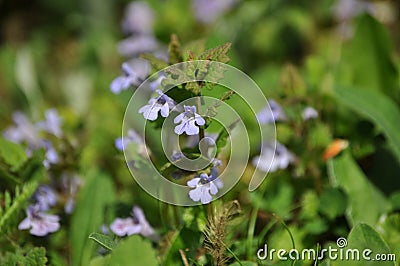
(137, 224)
(190, 121)
(131, 137)
(281, 157)
(135, 45)
(45, 197)
(39, 223)
(135, 72)
(162, 104)
(309, 113)
(345, 10)
(52, 124)
(207, 11)
(203, 188)
(139, 18)
(22, 131)
(267, 115)
(51, 156)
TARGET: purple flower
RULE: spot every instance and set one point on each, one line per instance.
(280, 158)
(45, 197)
(309, 113)
(190, 121)
(135, 45)
(207, 11)
(23, 131)
(52, 124)
(139, 18)
(176, 155)
(137, 224)
(39, 223)
(134, 74)
(162, 104)
(204, 188)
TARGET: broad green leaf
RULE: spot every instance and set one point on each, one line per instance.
(134, 251)
(368, 57)
(363, 237)
(360, 191)
(13, 154)
(103, 240)
(88, 216)
(378, 108)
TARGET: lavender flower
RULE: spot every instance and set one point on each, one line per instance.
(45, 197)
(204, 188)
(139, 18)
(280, 158)
(39, 223)
(23, 131)
(52, 124)
(207, 11)
(162, 104)
(176, 155)
(309, 113)
(137, 224)
(156, 84)
(267, 115)
(190, 121)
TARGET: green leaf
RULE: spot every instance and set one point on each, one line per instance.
(88, 216)
(218, 53)
(333, 203)
(12, 153)
(133, 251)
(346, 174)
(372, 68)
(104, 240)
(11, 207)
(362, 237)
(380, 109)
(33, 257)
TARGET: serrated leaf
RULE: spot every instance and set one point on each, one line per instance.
(12, 153)
(218, 53)
(103, 240)
(378, 108)
(174, 50)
